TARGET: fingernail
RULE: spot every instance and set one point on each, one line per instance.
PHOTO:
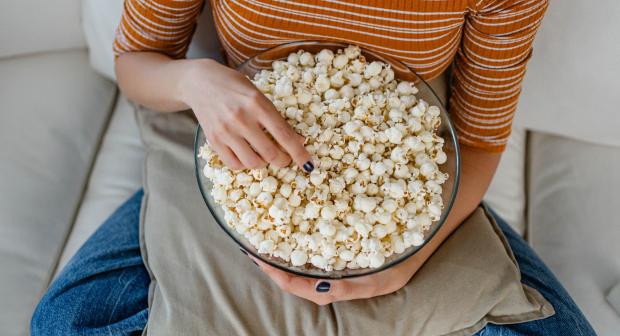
(308, 166)
(323, 287)
(243, 251)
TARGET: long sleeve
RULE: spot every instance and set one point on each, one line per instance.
(489, 68)
(164, 26)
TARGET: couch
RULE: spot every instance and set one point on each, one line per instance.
(70, 153)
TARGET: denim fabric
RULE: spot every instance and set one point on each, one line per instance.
(103, 290)
(568, 319)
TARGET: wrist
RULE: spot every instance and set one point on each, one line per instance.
(192, 73)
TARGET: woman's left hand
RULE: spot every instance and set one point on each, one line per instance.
(377, 284)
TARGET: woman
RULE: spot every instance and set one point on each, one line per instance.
(488, 42)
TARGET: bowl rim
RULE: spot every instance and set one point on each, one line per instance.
(400, 258)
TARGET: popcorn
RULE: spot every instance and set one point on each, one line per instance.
(364, 203)
(293, 59)
(269, 184)
(317, 177)
(266, 246)
(373, 69)
(376, 187)
(322, 84)
(306, 59)
(362, 260)
(346, 255)
(298, 258)
(441, 157)
(427, 169)
(264, 199)
(376, 260)
(394, 135)
(326, 228)
(340, 61)
(283, 87)
(347, 91)
(325, 56)
(406, 88)
(286, 190)
(413, 238)
(352, 52)
(319, 261)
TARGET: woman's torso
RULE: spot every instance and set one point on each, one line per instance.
(425, 35)
(488, 41)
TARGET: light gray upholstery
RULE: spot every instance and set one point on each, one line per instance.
(571, 81)
(53, 108)
(574, 197)
(506, 194)
(116, 175)
(34, 26)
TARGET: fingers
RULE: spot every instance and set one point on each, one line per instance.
(339, 290)
(266, 148)
(292, 284)
(296, 285)
(323, 292)
(286, 136)
(244, 152)
(225, 154)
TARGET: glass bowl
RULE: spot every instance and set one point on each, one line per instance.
(446, 131)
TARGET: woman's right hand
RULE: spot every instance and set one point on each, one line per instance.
(235, 115)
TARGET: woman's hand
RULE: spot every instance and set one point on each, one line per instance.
(235, 115)
(324, 292)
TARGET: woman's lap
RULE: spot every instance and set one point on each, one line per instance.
(104, 288)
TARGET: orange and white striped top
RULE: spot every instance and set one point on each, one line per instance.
(488, 41)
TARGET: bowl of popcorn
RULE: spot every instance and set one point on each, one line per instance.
(386, 164)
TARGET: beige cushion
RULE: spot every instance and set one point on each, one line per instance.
(574, 195)
(202, 284)
(29, 26)
(52, 111)
(571, 82)
(506, 194)
(117, 174)
(101, 17)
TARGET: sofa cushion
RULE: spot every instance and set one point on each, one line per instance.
(29, 26)
(53, 108)
(116, 175)
(613, 297)
(574, 193)
(571, 82)
(506, 194)
(101, 17)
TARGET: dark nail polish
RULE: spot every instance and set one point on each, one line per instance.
(308, 166)
(243, 251)
(323, 287)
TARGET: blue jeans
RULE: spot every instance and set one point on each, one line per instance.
(103, 290)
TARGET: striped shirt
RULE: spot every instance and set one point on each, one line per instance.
(488, 41)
